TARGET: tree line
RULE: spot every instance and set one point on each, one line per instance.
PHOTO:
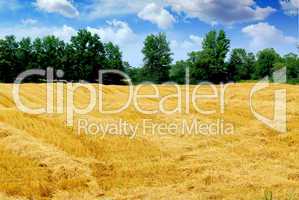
(80, 59)
(215, 63)
(86, 54)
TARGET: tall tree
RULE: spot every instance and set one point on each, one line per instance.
(177, 73)
(250, 66)
(45, 52)
(291, 62)
(113, 57)
(266, 60)
(215, 48)
(113, 62)
(8, 57)
(135, 73)
(87, 54)
(198, 63)
(38, 54)
(241, 65)
(157, 58)
(222, 48)
(25, 54)
(54, 49)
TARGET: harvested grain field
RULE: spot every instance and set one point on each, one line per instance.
(42, 159)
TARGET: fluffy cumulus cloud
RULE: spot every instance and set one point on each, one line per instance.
(64, 32)
(210, 11)
(290, 7)
(105, 8)
(63, 7)
(221, 11)
(182, 48)
(118, 32)
(157, 15)
(264, 35)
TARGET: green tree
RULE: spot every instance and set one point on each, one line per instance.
(135, 73)
(45, 52)
(157, 58)
(199, 65)
(8, 57)
(38, 53)
(222, 48)
(266, 60)
(113, 57)
(54, 52)
(87, 53)
(113, 62)
(241, 65)
(291, 62)
(69, 63)
(215, 48)
(25, 54)
(177, 73)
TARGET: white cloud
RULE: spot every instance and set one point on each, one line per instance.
(182, 48)
(193, 43)
(210, 11)
(29, 21)
(225, 12)
(264, 35)
(196, 40)
(290, 7)
(105, 8)
(221, 11)
(157, 15)
(118, 32)
(63, 7)
(64, 32)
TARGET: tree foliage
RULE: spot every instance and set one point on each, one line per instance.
(266, 60)
(8, 58)
(88, 55)
(177, 72)
(241, 65)
(210, 62)
(113, 62)
(157, 58)
(85, 54)
(80, 59)
(291, 62)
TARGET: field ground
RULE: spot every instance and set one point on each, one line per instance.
(42, 159)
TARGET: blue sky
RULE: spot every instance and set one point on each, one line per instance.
(250, 24)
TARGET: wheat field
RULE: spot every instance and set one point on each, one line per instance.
(43, 159)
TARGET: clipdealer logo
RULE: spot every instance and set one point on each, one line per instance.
(279, 121)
